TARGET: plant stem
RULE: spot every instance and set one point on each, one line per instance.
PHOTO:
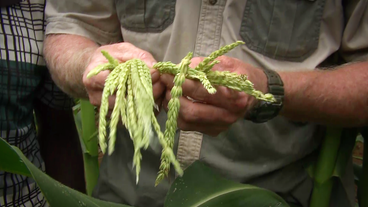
(323, 180)
(363, 184)
(91, 168)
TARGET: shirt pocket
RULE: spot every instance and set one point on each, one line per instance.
(145, 15)
(285, 30)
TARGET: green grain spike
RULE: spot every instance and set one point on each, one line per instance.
(133, 127)
(133, 78)
(114, 62)
(99, 68)
(120, 103)
(216, 54)
(172, 114)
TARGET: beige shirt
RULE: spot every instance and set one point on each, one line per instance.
(284, 35)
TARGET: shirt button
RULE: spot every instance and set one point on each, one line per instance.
(212, 2)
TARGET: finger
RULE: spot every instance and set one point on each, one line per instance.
(199, 113)
(158, 90)
(165, 101)
(96, 97)
(192, 112)
(155, 75)
(109, 112)
(211, 128)
(228, 99)
(96, 82)
(158, 103)
(112, 101)
(167, 80)
(99, 79)
(224, 97)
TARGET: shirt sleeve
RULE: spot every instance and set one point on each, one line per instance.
(354, 46)
(94, 19)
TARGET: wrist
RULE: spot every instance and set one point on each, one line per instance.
(261, 84)
(263, 111)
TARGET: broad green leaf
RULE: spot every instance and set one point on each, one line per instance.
(198, 187)
(12, 160)
(201, 187)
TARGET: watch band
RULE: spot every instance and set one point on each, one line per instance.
(263, 110)
(275, 84)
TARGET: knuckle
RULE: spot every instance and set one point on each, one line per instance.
(143, 55)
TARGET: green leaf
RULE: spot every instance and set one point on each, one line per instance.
(12, 160)
(346, 148)
(200, 186)
(85, 122)
(338, 156)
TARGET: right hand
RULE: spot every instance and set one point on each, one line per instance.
(123, 52)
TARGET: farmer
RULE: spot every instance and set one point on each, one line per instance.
(311, 55)
(26, 87)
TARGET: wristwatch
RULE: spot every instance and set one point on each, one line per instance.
(263, 110)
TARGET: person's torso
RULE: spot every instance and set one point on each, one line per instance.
(21, 71)
(280, 35)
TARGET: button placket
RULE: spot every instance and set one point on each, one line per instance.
(212, 2)
(207, 41)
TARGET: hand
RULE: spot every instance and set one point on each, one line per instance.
(214, 113)
(123, 52)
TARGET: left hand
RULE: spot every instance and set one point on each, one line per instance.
(214, 113)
